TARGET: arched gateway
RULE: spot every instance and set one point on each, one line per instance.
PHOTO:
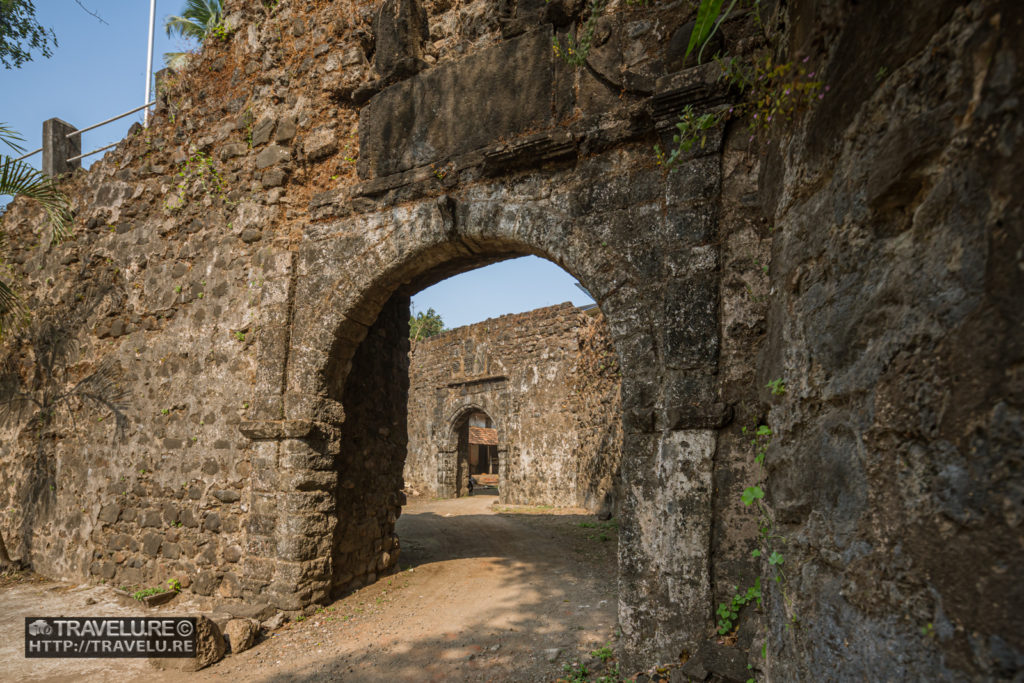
(351, 281)
(241, 271)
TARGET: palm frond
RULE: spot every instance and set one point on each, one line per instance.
(177, 60)
(184, 27)
(20, 179)
(197, 20)
(11, 138)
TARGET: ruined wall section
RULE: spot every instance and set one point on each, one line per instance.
(526, 371)
(184, 239)
(896, 322)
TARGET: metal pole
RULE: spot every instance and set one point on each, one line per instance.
(26, 156)
(111, 119)
(149, 58)
(95, 151)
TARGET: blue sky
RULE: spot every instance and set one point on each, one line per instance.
(511, 286)
(99, 70)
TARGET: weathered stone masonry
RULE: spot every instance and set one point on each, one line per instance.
(548, 379)
(253, 309)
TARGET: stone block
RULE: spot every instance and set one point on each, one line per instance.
(205, 583)
(272, 155)
(210, 649)
(319, 144)
(240, 634)
(286, 129)
(262, 130)
(151, 544)
(226, 495)
(459, 106)
(109, 513)
(212, 522)
(401, 31)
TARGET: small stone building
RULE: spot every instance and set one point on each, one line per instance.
(527, 401)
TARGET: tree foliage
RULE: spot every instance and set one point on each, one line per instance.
(423, 325)
(197, 21)
(21, 34)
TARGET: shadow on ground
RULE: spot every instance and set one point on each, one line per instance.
(482, 596)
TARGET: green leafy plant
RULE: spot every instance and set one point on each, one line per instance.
(576, 672)
(709, 18)
(198, 174)
(604, 653)
(575, 51)
(610, 524)
(778, 386)
(146, 592)
(21, 33)
(771, 92)
(729, 612)
(221, 32)
(423, 325)
(692, 131)
(752, 493)
(761, 438)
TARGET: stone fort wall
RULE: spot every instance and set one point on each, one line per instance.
(214, 379)
(548, 379)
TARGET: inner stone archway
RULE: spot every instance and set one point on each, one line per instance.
(474, 450)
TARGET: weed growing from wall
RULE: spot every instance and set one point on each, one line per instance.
(575, 50)
(771, 93)
(770, 543)
(198, 175)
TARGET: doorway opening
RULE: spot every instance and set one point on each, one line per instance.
(477, 460)
(508, 403)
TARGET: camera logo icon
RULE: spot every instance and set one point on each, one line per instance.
(39, 627)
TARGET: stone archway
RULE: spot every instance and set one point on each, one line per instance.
(453, 463)
(351, 281)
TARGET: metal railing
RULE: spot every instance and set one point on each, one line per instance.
(32, 153)
(57, 143)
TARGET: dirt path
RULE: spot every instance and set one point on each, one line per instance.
(484, 595)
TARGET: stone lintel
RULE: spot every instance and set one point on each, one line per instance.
(264, 430)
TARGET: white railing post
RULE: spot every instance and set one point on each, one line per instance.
(149, 59)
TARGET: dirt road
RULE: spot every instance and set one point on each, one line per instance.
(485, 594)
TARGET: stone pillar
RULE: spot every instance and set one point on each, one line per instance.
(161, 77)
(446, 473)
(503, 457)
(58, 147)
(306, 521)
